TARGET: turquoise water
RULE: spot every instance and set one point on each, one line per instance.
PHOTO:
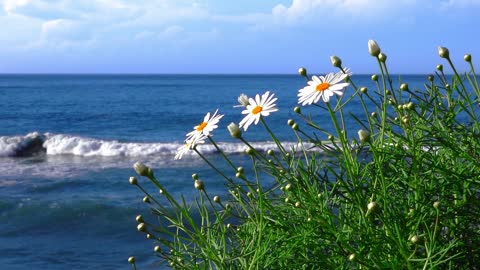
(67, 204)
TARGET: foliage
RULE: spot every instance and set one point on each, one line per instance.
(403, 194)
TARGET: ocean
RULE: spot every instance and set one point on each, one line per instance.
(68, 143)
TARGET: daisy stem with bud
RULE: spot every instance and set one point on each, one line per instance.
(222, 153)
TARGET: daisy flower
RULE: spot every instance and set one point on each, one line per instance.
(243, 100)
(206, 126)
(323, 87)
(256, 108)
(190, 144)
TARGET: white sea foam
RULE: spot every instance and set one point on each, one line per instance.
(80, 146)
(63, 144)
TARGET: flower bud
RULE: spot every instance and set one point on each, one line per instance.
(195, 176)
(351, 257)
(140, 168)
(364, 135)
(133, 180)
(240, 169)
(243, 100)
(290, 122)
(330, 137)
(270, 152)
(161, 191)
(375, 77)
(436, 204)
(302, 71)
(216, 199)
(141, 227)
(439, 67)
(382, 57)
(157, 249)
(131, 260)
(287, 200)
(336, 62)
(443, 52)
(414, 239)
(234, 131)
(373, 114)
(239, 175)
(146, 199)
(364, 90)
(139, 219)
(405, 120)
(149, 236)
(372, 206)
(295, 126)
(410, 105)
(467, 58)
(404, 87)
(288, 187)
(297, 109)
(373, 48)
(249, 151)
(430, 78)
(199, 185)
(297, 204)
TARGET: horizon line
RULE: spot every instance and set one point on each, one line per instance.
(201, 74)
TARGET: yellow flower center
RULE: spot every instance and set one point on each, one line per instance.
(323, 86)
(201, 126)
(257, 109)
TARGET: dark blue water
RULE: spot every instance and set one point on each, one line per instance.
(72, 207)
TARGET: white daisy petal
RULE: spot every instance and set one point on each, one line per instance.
(261, 106)
(208, 124)
(190, 144)
(323, 88)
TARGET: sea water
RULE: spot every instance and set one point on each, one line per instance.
(67, 144)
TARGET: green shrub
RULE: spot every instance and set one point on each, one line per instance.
(403, 193)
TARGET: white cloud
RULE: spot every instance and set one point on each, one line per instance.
(60, 29)
(171, 32)
(72, 21)
(10, 6)
(460, 3)
(318, 10)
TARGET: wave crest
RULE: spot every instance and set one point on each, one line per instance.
(63, 144)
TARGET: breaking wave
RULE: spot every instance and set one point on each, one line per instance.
(36, 143)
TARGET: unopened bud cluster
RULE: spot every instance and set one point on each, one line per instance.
(234, 131)
(141, 169)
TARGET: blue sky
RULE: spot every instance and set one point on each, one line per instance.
(223, 36)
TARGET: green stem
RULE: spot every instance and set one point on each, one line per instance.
(222, 153)
(277, 142)
(213, 166)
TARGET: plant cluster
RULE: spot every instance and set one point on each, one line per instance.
(401, 193)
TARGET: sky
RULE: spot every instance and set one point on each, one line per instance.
(224, 36)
